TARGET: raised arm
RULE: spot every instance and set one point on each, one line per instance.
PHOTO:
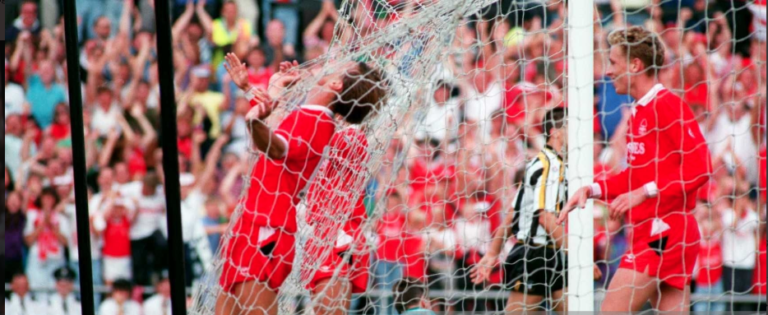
(148, 132)
(183, 21)
(314, 27)
(125, 18)
(205, 20)
(264, 139)
(211, 160)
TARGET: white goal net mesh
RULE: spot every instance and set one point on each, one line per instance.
(420, 187)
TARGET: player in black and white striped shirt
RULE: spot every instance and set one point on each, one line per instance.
(535, 268)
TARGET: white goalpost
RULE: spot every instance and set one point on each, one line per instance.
(580, 54)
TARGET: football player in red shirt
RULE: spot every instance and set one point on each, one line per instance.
(668, 161)
(258, 256)
(336, 210)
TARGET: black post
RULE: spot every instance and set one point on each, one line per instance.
(170, 157)
(78, 158)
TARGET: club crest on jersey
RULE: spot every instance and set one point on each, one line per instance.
(643, 127)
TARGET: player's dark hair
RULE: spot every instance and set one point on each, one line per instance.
(408, 293)
(555, 118)
(363, 92)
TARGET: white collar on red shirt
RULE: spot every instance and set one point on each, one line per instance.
(318, 107)
(648, 97)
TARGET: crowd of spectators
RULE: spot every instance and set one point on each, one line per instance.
(438, 212)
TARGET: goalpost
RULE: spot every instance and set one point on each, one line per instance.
(510, 71)
(580, 156)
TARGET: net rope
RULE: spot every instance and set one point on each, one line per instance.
(485, 42)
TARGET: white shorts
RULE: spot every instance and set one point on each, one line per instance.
(117, 268)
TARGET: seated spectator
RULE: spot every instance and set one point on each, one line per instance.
(45, 233)
(160, 303)
(120, 302)
(411, 297)
(117, 242)
(21, 301)
(64, 301)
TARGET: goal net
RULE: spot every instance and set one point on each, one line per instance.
(469, 83)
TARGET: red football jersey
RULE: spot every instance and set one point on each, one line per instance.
(275, 184)
(336, 188)
(666, 153)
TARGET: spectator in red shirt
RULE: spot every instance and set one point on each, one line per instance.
(710, 264)
(389, 258)
(117, 242)
(59, 130)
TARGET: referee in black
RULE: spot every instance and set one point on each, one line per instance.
(535, 269)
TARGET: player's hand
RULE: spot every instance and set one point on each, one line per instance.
(578, 199)
(482, 270)
(287, 66)
(627, 201)
(237, 71)
(596, 273)
(288, 74)
(263, 108)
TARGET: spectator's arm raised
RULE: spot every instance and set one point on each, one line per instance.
(205, 20)
(125, 18)
(183, 21)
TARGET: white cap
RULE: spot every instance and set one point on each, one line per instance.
(201, 72)
(186, 179)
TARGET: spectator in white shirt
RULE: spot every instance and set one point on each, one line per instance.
(483, 98)
(21, 301)
(14, 97)
(148, 244)
(441, 121)
(64, 302)
(120, 302)
(740, 226)
(160, 303)
(106, 114)
(19, 146)
(46, 234)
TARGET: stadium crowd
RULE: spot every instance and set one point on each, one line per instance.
(437, 213)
